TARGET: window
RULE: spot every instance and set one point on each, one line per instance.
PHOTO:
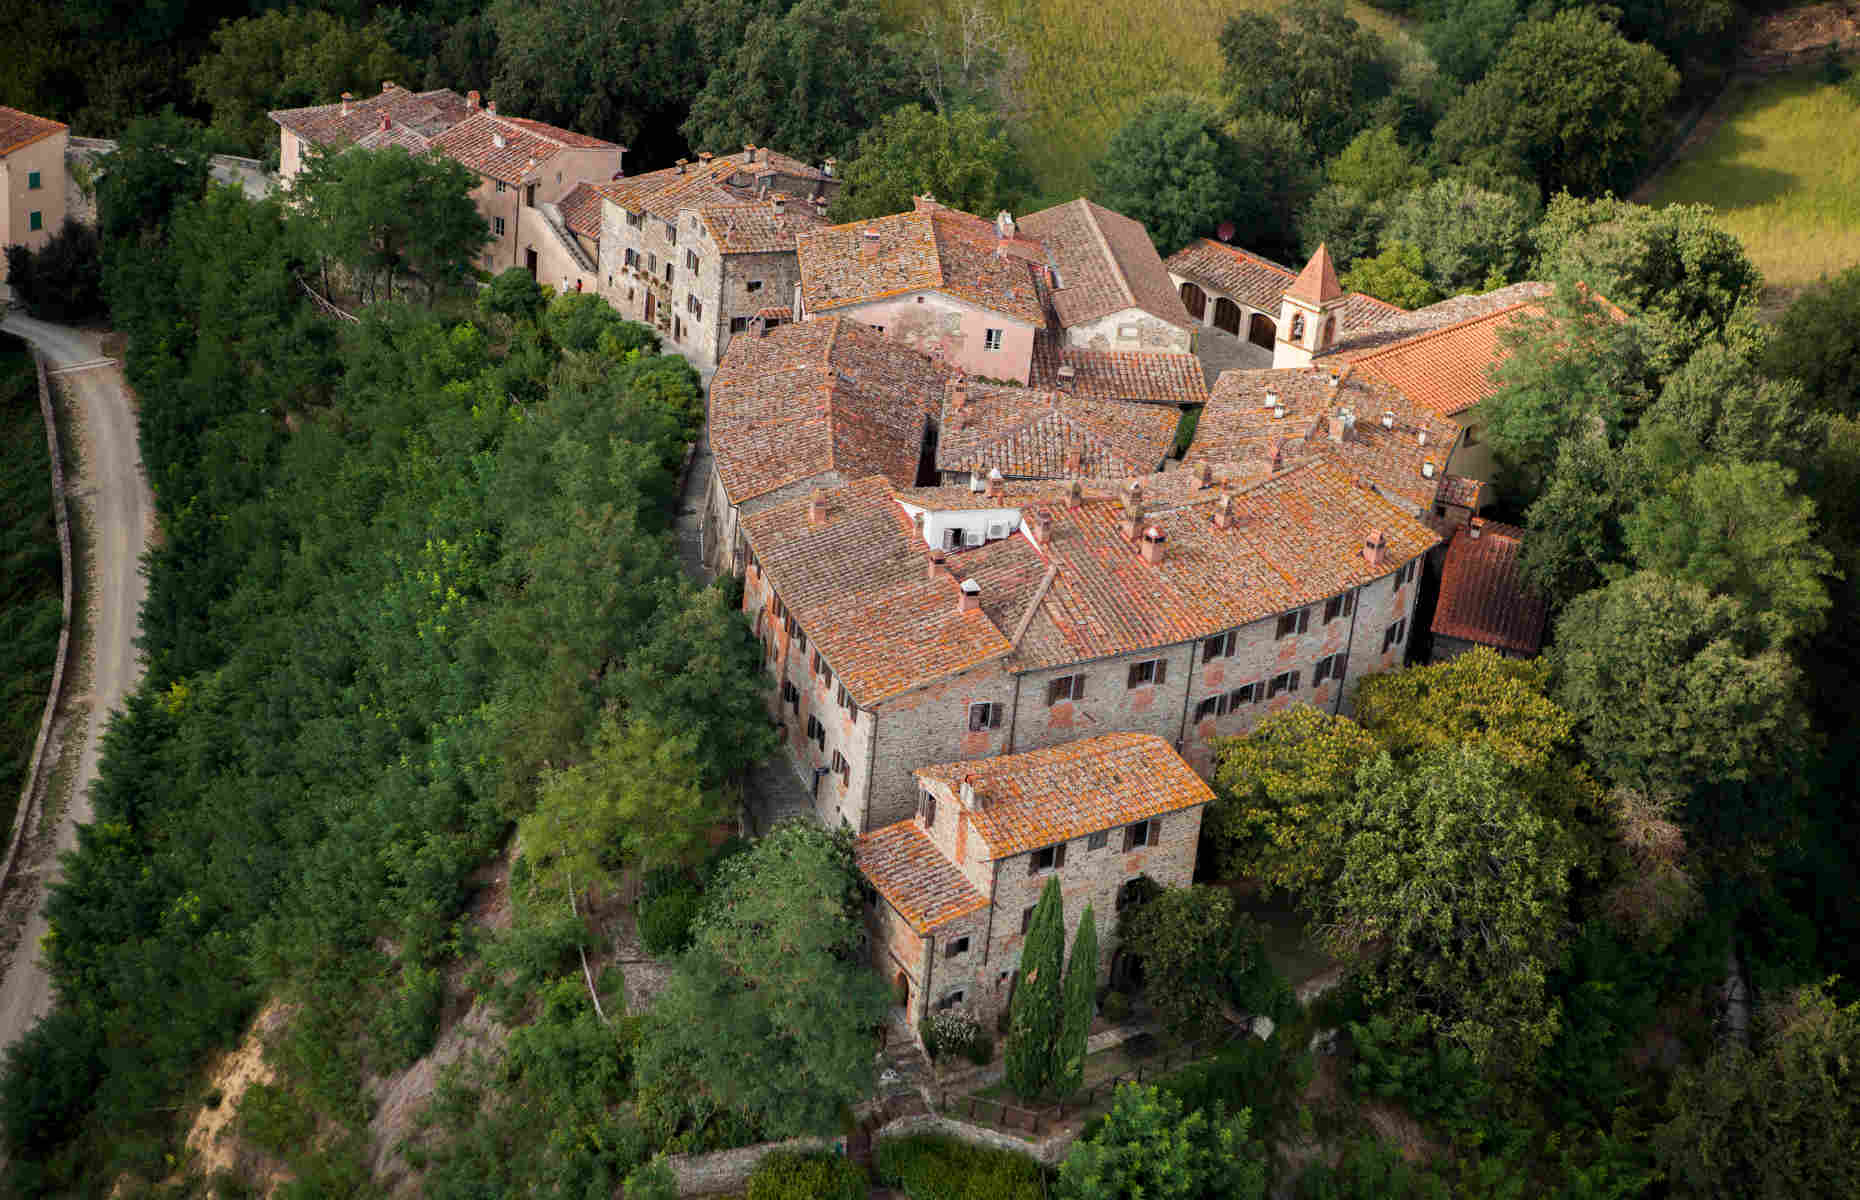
(1213, 706)
(1149, 671)
(1472, 435)
(1221, 645)
(1395, 634)
(950, 1001)
(1250, 694)
(696, 306)
(1099, 840)
(878, 329)
(1050, 859)
(500, 187)
(1066, 687)
(1298, 326)
(991, 339)
(497, 226)
(754, 285)
(841, 767)
(1143, 833)
(1026, 919)
(632, 258)
(1339, 606)
(956, 946)
(1285, 681)
(816, 732)
(738, 324)
(985, 715)
(823, 670)
(929, 801)
(1293, 623)
(671, 232)
(32, 181)
(668, 272)
(652, 264)
(847, 703)
(1127, 333)
(691, 260)
(1406, 574)
(952, 538)
(632, 219)
(800, 639)
(791, 695)
(1331, 666)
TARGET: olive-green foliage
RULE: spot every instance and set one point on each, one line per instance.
(160, 164)
(1317, 68)
(1146, 1146)
(654, 1181)
(1080, 1003)
(962, 158)
(1395, 275)
(1370, 1170)
(62, 280)
(30, 611)
(934, 1167)
(785, 1175)
(514, 293)
(1193, 945)
(1397, 1060)
(1032, 1066)
(1275, 791)
(1269, 1075)
(665, 921)
(385, 214)
(1817, 346)
(1469, 239)
(1169, 167)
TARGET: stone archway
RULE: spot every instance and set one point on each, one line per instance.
(1195, 301)
(1262, 331)
(1227, 316)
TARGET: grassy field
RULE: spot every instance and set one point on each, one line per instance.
(1091, 62)
(1783, 171)
(30, 606)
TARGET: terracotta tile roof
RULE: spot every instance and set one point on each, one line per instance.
(1461, 490)
(426, 113)
(1317, 283)
(581, 210)
(920, 882)
(1447, 370)
(754, 227)
(1482, 596)
(1239, 273)
(1029, 801)
(1106, 264)
(1031, 433)
(780, 312)
(1131, 375)
(726, 180)
(20, 129)
(931, 249)
(1237, 427)
(1367, 331)
(820, 396)
(404, 136)
(859, 584)
(508, 148)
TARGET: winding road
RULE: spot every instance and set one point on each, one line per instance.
(117, 514)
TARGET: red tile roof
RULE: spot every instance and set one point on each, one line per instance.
(1447, 370)
(581, 210)
(1106, 264)
(20, 129)
(1482, 595)
(1239, 273)
(930, 249)
(1463, 491)
(1317, 283)
(404, 136)
(508, 148)
(555, 133)
(328, 126)
(1238, 427)
(728, 179)
(1028, 801)
(1131, 375)
(814, 397)
(754, 227)
(920, 882)
(1030, 433)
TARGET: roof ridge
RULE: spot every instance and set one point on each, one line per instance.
(1104, 244)
(1438, 331)
(1033, 606)
(1261, 259)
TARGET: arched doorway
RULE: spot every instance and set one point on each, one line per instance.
(1194, 300)
(901, 991)
(1262, 330)
(1227, 316)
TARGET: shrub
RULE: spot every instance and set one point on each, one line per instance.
(1116, 1006)
(1268, 1076)
(654, 1181)
(1397, 1061)
(784, 1175)
(981, 1050)
(662, 881)
(949, 1033)
(930, 1167)
(1370, 1170)
(63, 279)
(412, 1019)
(665, 923)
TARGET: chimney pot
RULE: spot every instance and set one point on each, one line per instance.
(868, 245)
(1043, 527)
(1388, 418)
(1154, 544)
(1340, 423)
(1075, 458)
(971, 596)
(682, 163)
(1420, 438)
(1224, 512)
(826, 168)
(386, 123)
(387, 85)
(749, 152)
(995, 485)
(1427, 469)
(346, 98)
(1473, 530)
(970, 799)
(1133, 499)
(1075, 495)
(490, 106)
(817, 509)
(1204, 474)
(1004, 224)
(936, 565)
(1374, 547)
(473, 99)
(779, 204)
(1272, 400)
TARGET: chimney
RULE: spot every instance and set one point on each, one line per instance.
(1075, 459)
(1042, 528)
(620, 171)
(959, 394)
(346, 98)
(1420, 437)
(473, 100)
(1075, 495)
(387, 123)
(817, 509)
(1004, 224)
(749, 152)
(497, 139)
(779, 204)
(1271, 401)
(995, 485)
(387, 85)
(970, 799)
(826, 168)
(1153, 545)
(936, 566)
(1374, 547)
(681, 165)
(1133, 511)
(918, 522)
(971, 597)
(1388, 418)
(490, 106)
(868, 245)
(1427, 469)
(1204, 474)
(704, 157)
(764, 179)
(1341, 422)
(1473, 528)
(1067, 374)
(1224, 512)
(820, 207)
(1277, 461)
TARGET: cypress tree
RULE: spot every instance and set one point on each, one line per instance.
(1081, 1001)
(1036, 1016)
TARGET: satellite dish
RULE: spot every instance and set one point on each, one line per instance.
(1226, 231)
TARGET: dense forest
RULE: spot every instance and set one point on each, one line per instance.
(415, 623)
(30, 611)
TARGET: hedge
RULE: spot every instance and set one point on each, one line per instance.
(934, 1167)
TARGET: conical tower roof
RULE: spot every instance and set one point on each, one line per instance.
(1317, 283)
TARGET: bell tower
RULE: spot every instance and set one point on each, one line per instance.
(1309, 313)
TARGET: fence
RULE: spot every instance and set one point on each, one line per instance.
(324, 306)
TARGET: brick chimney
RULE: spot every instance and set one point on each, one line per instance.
(996, 488)
(779, 204)
(490, 106)
(1375, 548)
(1075, 461)
(1342, 422)
(387, 85)
(959, 394)
(1224, 512)
(970, 598)
(1075, 495)
(1154, 545)
(749, 152)
(936, 566)
(817, 509)
(473, 100)
(704, 157)
(681, 164)
(387, 122)
(1042, 527)
(971, 799)
(826, 168)
(1204, 474)
(868, 245)
(1133, 511)
(917, 525)
(1066, 375)
(347, 97)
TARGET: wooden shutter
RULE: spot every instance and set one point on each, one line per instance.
(1126, 839)
(1059, 856)
(994, 716)
(1162, 671)
(1078, 687)
(1134, 679)
(1155, 831)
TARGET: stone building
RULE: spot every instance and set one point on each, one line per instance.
(1240, 293)
(1483, 599)
(988, 430)
(32, 180)
(700, 249)
(1109, 288)
(954, 884)
(935, 624)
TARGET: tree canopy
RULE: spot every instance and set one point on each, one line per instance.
(1316, 68)
(959, 157)
(1148, 1147)
(387, 212)
(1170, 167)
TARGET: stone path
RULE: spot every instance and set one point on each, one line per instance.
(1220, 351)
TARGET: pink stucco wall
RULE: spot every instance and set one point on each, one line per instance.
(951, 330)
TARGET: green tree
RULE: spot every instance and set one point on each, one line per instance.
(160, 163)
(1719, 406)
(1344, 220)
(1466, 35)
(807, 81)
(1318, 68)
(515, 294)
(1577, 541)
(1739, 528)
(1817, 344)
(1675, 693)
(384, 212)
(1170, 167)
(287, 58)
(1570, 101)
(1037, 1018)
(1080, 1005)
(1147, 1147)
(1675, 267)
(63, 279)
(961, 158)
(742, 1014)
(1277, 793)
(1470, 239)
(1275, 176)
(1451, 888)
(1377, 165)
(1776, 1121)
(1193, 945)
(1395, 275)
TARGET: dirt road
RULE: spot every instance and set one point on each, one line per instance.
(117, 507)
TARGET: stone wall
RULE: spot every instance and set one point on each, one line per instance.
(1131, 329)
